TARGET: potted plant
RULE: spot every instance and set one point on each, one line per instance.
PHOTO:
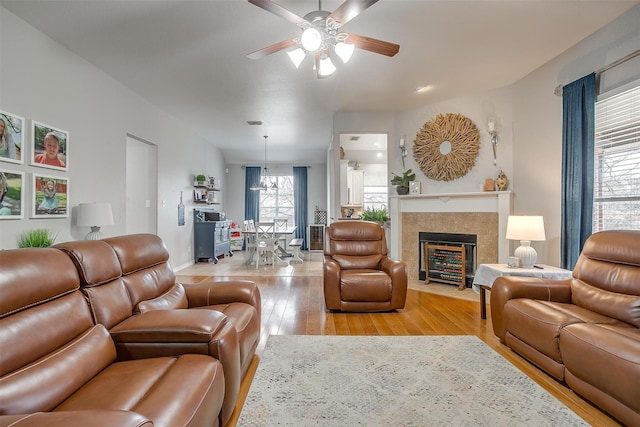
(40, 238)
(402, 182)
(201, 179)
(372, 214)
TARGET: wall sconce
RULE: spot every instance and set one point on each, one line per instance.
(94, 215)
(492, 128)
(403, 149)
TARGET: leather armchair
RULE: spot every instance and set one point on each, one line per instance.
(358, 274)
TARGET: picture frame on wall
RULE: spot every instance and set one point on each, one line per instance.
(11, 137)
(49, 146)
(11, 194)
(50, 196)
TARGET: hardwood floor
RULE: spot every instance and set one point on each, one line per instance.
(293, 304)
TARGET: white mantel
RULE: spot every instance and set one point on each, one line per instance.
(500, 202)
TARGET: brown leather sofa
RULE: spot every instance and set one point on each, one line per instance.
(358, 274)
(132, 291)
(59, 368)
(586, 330)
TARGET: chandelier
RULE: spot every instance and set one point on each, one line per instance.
(265, 182)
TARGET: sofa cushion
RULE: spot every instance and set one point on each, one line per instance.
(538, 323)
(347, 262)
(607, 275)
(171, 391)
(606, 357)
(174, 298)
(365, 285)
(149, 250)
(51, 379)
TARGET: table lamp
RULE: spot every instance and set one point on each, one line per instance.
(94, 215)
(525, 229)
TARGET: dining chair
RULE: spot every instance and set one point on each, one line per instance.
(249, 233)
(266, 243)
(281, 224)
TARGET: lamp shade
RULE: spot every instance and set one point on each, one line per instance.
(94, 214)
(525, 228)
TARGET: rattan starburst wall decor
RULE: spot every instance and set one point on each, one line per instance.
(447, 146)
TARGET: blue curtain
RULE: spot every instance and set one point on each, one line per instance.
(578, 117)
(300, 208)
(252, 197)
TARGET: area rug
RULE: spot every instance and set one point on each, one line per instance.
(394, 381)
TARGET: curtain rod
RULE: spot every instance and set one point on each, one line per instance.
(558, 90)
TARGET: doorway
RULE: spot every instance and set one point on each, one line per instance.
(363, 173)
(141, 203)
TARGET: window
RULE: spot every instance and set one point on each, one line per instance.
(375, 197)
(278, 203)
(616, 202)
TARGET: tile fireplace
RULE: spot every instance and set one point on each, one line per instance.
(483, 214)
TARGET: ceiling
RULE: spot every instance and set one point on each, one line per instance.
(188, 57)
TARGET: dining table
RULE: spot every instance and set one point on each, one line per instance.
(280, 234)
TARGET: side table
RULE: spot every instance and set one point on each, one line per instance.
(486, 274)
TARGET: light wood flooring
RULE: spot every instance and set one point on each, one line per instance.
(293, 304)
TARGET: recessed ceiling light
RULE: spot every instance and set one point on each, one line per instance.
(422, 89)
(379, 155)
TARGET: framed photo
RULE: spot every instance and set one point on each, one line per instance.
(50, 196)
(414, 187)
(49, 147)
(11, 194)
(11, 137)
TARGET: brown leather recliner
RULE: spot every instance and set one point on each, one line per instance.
(586, 330)
(131, 289)
(58, 368)
(358, 274)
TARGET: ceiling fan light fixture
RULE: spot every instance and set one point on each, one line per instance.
(344, 51)
(311, 39)
(326, 66)
(297, 56)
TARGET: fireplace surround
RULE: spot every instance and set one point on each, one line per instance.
(481, 213)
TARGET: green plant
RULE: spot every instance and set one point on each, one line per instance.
(39, 238)
(373, 214)
(403, 181)
(201, 178)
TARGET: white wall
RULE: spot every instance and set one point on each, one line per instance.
(476, 108)
(43, 81)
(537, 121)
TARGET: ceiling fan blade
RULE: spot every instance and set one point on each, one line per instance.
(373, 45)
(276, 9)
(272, 49)
(350, 9)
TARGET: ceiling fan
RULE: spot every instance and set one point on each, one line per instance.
(321, 35)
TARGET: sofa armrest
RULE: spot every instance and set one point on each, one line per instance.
(88, 418)
(397, 270)
(167, 333)
(506, 288)
(331, 282)
(224, 292)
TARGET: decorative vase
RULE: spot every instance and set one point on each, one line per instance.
(502, 182)
(402, 190)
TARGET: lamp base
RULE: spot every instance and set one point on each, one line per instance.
(95, 234)
(526, 253)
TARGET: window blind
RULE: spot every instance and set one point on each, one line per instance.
(617, 162)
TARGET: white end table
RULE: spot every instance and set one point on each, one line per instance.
(486, 274)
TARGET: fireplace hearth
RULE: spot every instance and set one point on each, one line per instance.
(449, 258)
